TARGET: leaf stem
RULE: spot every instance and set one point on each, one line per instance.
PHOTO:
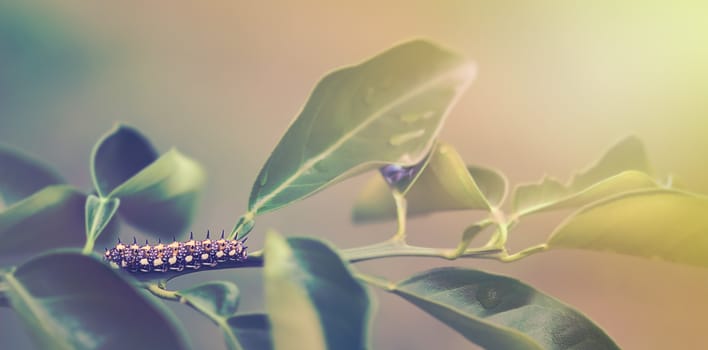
(376, 281)
(162, 293)
(401, 205)
(523, 253)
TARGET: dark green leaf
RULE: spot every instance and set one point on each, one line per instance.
(252, 331)
(72, 301)
(665, 224)
(499, 312)
(99, 212)
(446, 183)
(117, 156)
(218, 298)
(625, 167)
(311, 297)
(50, 218)
(386, 110)
(22, 176)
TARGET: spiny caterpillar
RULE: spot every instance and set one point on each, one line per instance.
(176, 256)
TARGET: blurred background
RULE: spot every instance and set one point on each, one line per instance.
(558, 83)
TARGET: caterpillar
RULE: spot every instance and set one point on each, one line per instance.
(176, 256)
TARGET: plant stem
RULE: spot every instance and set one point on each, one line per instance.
(376, 281)
(160, 292)
(524, 253)
(393, 248)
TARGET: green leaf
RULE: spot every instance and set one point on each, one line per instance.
(99, 212)
(218, 301)
(311, 297)
(50, 218)
(252, 331)
(386, 110)
(162, 198)
(625, 167)
(552, 195)
(499, 312)
(22, 176)
(119, 155)
(628, 154)
(665, 224)
(446, 183)
(157, 195)
(71, 301)
(217, 298)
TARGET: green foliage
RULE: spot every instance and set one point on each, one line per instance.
(311, 297)
(383, 113)
(99, 212)
(158, 194)
(625, 167)
(663, 224)
(388, 109)
(252, 331)
(218, 301)
(50, 218)
(72, 301)
(445, 183)
(499, 312)
(216, 298)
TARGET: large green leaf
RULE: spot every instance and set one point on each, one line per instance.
(446, 183)
(158, 195)
(665, 224)
(252, 331)
(624, 167)
(72, 301)
(311, 297)
(119, 155)
(50, 218)
(388, 109)
(499, 312)
(22, 176)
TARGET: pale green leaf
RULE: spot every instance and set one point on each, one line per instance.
(386, 110)
(624, 167)
(252, 330)
(22, 176)
(664, 224)
(117, 156)
(162, 198)
(98, 213)
(219, 299)
(499, 312)
(72, 301)
(628, 154)
(552, 195)
(446, 183)
(311, 297)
